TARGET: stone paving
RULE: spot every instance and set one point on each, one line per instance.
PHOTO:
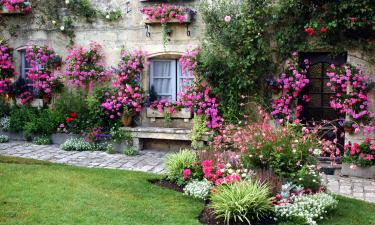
(146, 161)
(152, 161)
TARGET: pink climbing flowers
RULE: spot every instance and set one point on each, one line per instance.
(16, 5)
(7, 70)
(85, 67)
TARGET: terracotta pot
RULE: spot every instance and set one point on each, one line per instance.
(127, 120)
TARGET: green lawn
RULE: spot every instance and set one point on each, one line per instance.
(36, 193)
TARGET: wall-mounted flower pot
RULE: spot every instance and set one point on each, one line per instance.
(188, 19)
(5, 11)
(356, 171)
(181, 114)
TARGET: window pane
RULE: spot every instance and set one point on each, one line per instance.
(315, 71)
(163, 78)
(162, 69)
(315, 100)
(315, 86)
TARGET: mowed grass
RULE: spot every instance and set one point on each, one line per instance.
(40, 193)
(36, 193)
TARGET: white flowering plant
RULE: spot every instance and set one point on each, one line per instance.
(305, 209)
(4, 123)
(77, 144)
(198, 189)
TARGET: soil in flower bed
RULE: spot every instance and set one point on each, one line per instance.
(208, 217)
(166, 184)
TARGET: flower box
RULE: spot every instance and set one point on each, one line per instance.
(188, 19)
(181, 114)
(26, 4)
(363, 172)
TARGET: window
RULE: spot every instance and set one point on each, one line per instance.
(167, 78)
(25, 66)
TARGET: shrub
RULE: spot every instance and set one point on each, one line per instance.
(19, 116)
(43, 140)
(243, 201)
(130, 151)
(198, 130)
(45, 122)
(309, 178)
(4, 108)
(306, 209)
(77, 144)
(176, 163)
(198, 189)
(4, 123)
(4, 138)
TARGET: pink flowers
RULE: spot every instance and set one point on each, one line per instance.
(362, 154)
(129, 92)
(188, 60)
(16, 5)
(165, 13)
(227, 19)
(293, 80)
(186, 174)
(42, 75)
(84, 67)
(6, 68)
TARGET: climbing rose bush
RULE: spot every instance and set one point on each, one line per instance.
(43, 76)
(129, 92)
(165, 12)
(16, 5)
(292, 81)
(84, 67)
(7, 69)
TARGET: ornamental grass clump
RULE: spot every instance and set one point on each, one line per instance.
(306, 209)
(176, 163)
(244, 201)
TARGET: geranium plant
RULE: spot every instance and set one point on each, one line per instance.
(6, 68)
(85, 67)
(42, 75)
(360, 154)
(16, 5)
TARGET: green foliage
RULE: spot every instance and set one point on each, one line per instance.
(198, 130)
(83, 8)
(235, 55)
(308, 177)
(4, 108)
(42, 140)
(175, 163)
(119, 135)
(130, 151)
(244, 201)
(19, 116)
(45, 122)
(71, 101)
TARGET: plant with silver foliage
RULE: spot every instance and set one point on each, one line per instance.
(77, 144)
(306, 209)
(198, 189)
(4, 123)
(4, 138)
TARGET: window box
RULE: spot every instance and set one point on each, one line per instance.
(26, 6)
(188, 19)
(363, 172)
(181, 114)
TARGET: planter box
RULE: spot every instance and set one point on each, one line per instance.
(13, 135)
(60, 138)
(363, 172)
(5, 11)
(188, 19)
(182, 114)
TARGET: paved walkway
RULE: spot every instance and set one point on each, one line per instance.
(152, 161)
(147, 160)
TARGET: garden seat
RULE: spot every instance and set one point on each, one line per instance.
(160, 133)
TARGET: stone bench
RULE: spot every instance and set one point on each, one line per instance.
(160, 133)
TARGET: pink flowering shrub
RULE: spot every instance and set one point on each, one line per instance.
(165, 13)
(84, 67)
(362, 154)
(6, 68)
(42, 75)
(351, 87)
(129, 92)
(292, 81)
(189, 61)
(16, 5)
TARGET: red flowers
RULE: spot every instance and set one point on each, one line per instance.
(310, 31)
(72, 116)
(323, 30)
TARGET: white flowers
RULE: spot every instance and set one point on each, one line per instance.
(53, 22)
(62, 28)
(227, 19)
(4, 123)
(308, 207)
(4, 138)
(198, 189)
(67, 2)
(107, 16)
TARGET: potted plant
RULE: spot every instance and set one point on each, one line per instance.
(348, 127)
(359, 159)
(127, 116)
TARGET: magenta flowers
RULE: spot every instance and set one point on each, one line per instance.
(84, 67)
(129, 92)
(165, 13)
(6, 68)
(44, 64)
(16, 5)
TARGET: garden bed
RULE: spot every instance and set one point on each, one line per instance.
(166, 184)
